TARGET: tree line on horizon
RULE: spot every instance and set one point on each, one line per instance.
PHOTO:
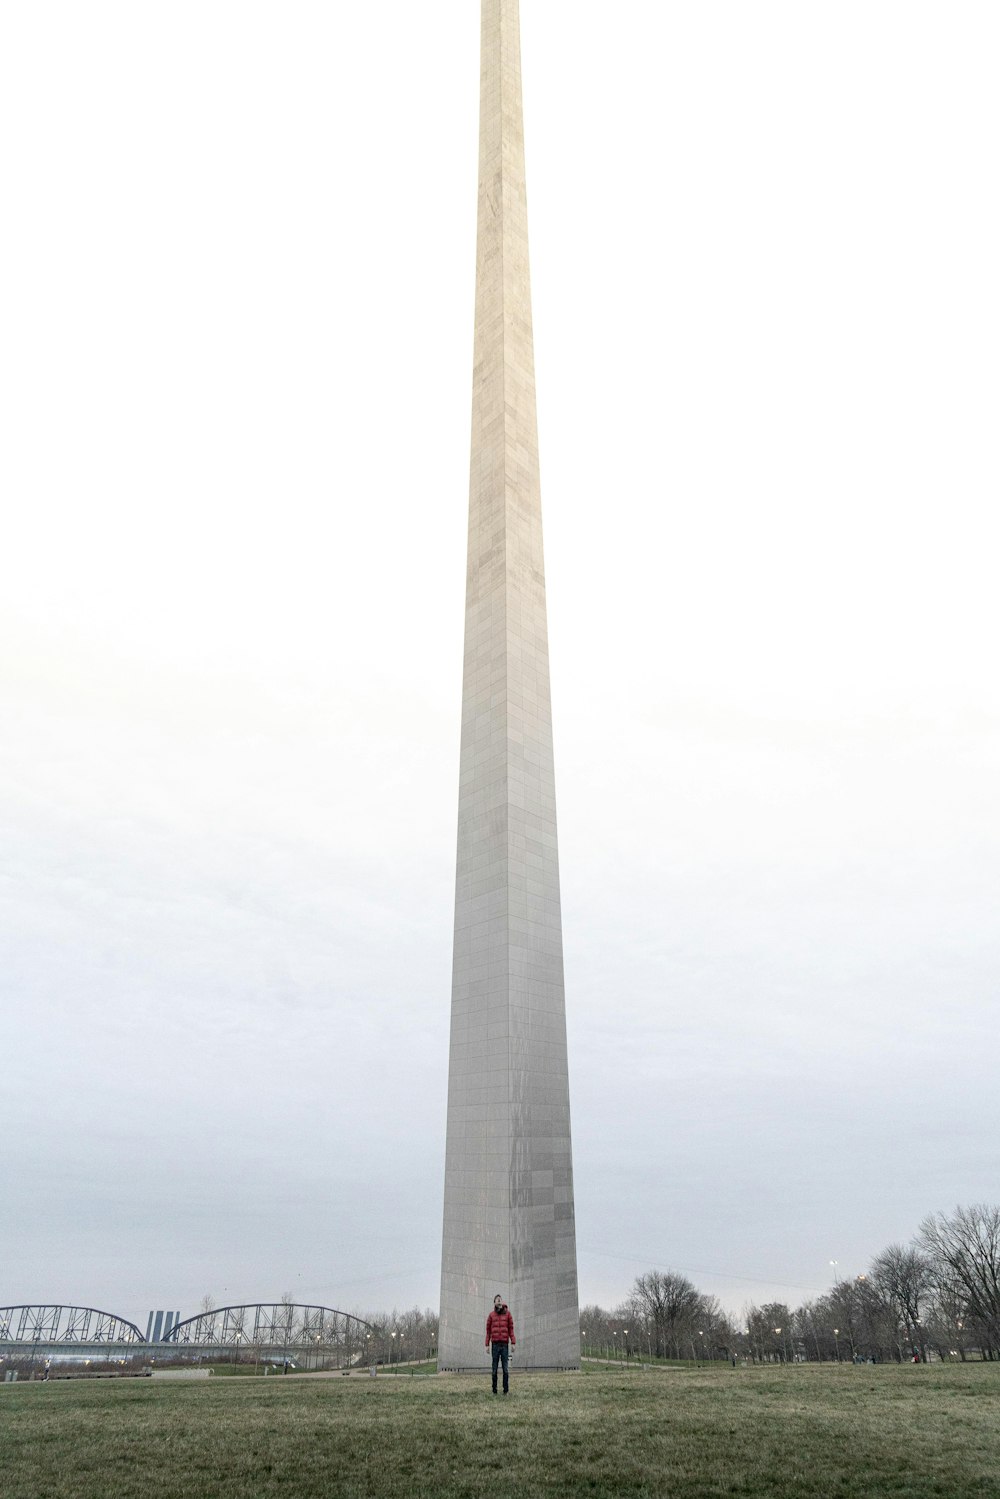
(938, 1295)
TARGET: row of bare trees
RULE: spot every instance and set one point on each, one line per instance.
(404, 1337)
(663, 1316)
(939, 1295)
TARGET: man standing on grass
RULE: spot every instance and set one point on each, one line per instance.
(500, 1332)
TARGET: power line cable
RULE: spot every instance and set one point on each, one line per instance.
(655, 1264)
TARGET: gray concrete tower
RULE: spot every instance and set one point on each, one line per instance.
(508, 1201)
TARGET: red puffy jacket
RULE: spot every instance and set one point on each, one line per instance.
(500, 1328)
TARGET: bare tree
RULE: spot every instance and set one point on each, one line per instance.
(727, 1337)
(903, 1278)
(813, 1330)
(771, 1330)
(671, 1308)
(286, 1321)
(416, 1332)
(717, 1336)
(949, 1327)
(597, 1325)
(964, 1251)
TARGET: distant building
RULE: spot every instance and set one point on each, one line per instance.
(159, 1325)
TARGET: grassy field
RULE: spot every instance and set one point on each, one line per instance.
(767, 1433)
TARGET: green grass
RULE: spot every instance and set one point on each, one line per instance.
(256, 1371)
(421, 1366)
(778, 1433)
(656, 1363)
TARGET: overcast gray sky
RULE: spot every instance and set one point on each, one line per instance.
(236, 301)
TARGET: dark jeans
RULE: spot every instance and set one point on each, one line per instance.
(501, 1352)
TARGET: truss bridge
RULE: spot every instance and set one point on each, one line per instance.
(308, 1336)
